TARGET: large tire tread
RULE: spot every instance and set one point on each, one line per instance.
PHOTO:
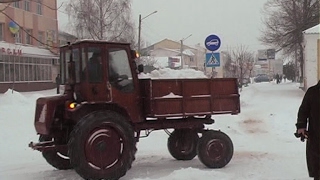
(82, 126)
(53, 158)
(174, 141)
(204, 142)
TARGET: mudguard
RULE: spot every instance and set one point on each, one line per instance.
(45, 111)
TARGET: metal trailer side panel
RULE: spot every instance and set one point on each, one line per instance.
(189, 97)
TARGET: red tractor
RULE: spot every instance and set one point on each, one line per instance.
(94, 126)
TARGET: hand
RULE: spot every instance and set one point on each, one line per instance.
(302, 131)
(302, 134)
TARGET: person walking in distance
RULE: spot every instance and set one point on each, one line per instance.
(308, 127)
(58, 82)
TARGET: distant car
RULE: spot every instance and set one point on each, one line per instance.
(214, 42)
(262, 78)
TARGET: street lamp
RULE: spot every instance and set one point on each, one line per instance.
(139, 35)
(181, 49)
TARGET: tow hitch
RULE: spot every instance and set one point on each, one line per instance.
(46, 145)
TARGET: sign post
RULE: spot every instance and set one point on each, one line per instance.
(212, 43)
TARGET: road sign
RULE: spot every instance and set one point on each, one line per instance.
(213, 59)
(271, 53)
(266, 54)
(212, 42)
(262, 55)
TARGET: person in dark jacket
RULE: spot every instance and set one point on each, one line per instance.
(308, 126)
(277, 78)
(95, 68)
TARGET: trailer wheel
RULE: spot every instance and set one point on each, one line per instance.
(102, 146)
(215, 149)
(182, 144)
(56, 158)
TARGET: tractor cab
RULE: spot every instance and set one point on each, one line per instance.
(100, 72)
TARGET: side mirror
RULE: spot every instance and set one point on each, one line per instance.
(140, 68)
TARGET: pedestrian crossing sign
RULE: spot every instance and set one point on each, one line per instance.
(213, 59)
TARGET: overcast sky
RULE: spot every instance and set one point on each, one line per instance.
(236, 22)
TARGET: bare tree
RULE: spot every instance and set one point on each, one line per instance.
(285, 22)
(239, 63)
(102, 19)
(228, 70)
(242, 59)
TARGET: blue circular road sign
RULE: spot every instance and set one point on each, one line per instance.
(212, 42)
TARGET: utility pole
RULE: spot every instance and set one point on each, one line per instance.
(181, 49)
(181, 53)
(139, 34)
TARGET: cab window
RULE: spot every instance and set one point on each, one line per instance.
(119, 71)
(76, 59)
(94, 65)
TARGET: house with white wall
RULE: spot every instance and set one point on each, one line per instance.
(311, 56)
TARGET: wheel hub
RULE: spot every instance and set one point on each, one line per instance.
(103, 147)
(216, 149)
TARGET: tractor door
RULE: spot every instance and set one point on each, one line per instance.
(94, 87)
(122, 81)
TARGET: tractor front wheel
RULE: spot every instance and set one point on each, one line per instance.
(182, 144)
(56, 158)
(215, 149)
(102, 146)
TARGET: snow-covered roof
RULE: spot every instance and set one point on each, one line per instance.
(188, 52)
(28, 51)
(313, 30)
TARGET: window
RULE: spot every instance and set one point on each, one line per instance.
(54, 35)
(17, 37)
(16, 4)
(28, 36)
(24, 69)
(83, 64)
(40, 38)
(2, 73)
(94, 65)
(120, 75)
(76, 59)
(50, 37)
(39, 7)
(1, 31)
(27, 5)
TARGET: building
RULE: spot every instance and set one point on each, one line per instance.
(28, 45)
(169, 47)
(65, 37)
(311, 74)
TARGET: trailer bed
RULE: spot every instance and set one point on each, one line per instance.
(189, 97)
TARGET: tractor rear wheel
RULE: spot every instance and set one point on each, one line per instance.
(56, 158)
(182, 144)
(215, 149)
(102, 146)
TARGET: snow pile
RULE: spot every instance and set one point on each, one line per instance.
(167, 73)
(262, 134)
(11, 97)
